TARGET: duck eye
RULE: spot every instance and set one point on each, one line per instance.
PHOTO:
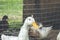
(29, 19)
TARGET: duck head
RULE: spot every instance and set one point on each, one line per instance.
(5, 17)
(31, 21)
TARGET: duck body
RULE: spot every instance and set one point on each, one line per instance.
(4, 23)
(44, 31)
(58, 36)
(6, 37)
(23, 34)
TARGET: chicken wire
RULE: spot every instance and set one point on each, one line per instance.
(44, 11)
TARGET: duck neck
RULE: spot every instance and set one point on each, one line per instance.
(25, 25)
(23, 34)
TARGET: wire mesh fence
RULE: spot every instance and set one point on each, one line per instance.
(46, 12)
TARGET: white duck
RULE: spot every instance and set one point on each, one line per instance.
(35, 28)
(6, 37)
(58, 36)
(43, 31)
(23, 34)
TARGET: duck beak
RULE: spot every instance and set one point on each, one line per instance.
(35, 25)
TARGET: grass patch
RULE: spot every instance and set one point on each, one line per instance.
(14, 10)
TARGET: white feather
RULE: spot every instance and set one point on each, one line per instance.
(23, 34)
(44, 32)
(58, 36)
(5, 37)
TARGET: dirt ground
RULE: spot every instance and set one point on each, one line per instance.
(52, 36)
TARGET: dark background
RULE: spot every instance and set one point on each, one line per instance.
(44, 11)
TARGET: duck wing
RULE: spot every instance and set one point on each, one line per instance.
(5, 37)
(58, 36)
(44, 31)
